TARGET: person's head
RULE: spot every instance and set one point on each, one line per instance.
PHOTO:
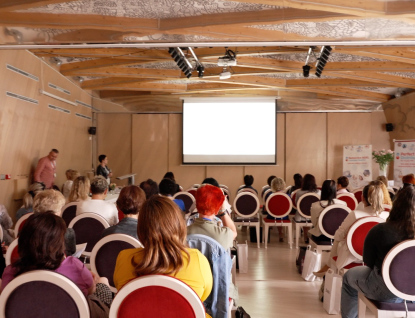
(162, 231)
(248, 180)
(68, 174)
(309, 183)
(34, 189)
(402, 214)
(408, 179)
(169, 175)
(130, 200)
(80, 189)
(342, 182)
(298, 180)
(269, 180)
(328, 191)
(211, 181)
(53, 154)
(373, 195)
(277, 184)
(383, 179)
(103, 159)
(167, 187)
(386, 196)
(41, 243)
(74, 174)
(99, 185)
(209, 199)
(48, 200)
(149, 187)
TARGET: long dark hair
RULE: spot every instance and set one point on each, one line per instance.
(328, 192)
(309, 183)
(402, 214)
(298, 180)
(41, 243)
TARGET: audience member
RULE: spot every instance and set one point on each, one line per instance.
(209, 200)
(99, 190)
(41, 246)
(46, 169)
(168, 188)
(298, 180)
(211, 181)
(408, 180)
(71, 175)
(150, 188)
(6, 225)
(249, 181)
(390, 190)
(80, 190)
(162, 231)
(27, 206)
(342, 184)
(129, 202)
(103, 170)
(170, 175)
(367, 279)
(277, 185)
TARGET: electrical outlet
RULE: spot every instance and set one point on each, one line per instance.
(2, 177)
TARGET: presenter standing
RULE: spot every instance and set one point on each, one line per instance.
(46, 169)
(103, 170)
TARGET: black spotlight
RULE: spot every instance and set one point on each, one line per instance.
(201, 70)
(323, 59)
(306, 70)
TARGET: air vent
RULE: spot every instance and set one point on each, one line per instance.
(83, 104)
(26, 99)
(17, 70)
(83, 116)
(60, 89)
(63, 110)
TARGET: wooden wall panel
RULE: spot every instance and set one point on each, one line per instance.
(114, 140)
(345, 129)
(150, 146)
(306, 137)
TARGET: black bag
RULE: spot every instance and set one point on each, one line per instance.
(299, 262)
(241, 313)
(252, 234)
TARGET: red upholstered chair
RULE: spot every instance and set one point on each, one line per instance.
(303, 207)
(19, 224)
(358, 194)
(69, 214)
(156, 296)
(105, 252)
(45, 294)
(246, 206)
(387, 207)
(188, 200)
(278, 205)
(397, 272)
(192, 191)
(350, 200)
(12, 253)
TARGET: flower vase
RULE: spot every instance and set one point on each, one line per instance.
(383, 170)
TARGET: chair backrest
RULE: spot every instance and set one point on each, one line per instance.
(12, 253)
(19, 224)
(69, 214)
(224, 186)
(192, 191)
(358, 194)
(246, 204)
(1, 234)
(156, 296)
(187, 198)
(88, 229)
(397, 270)
(357, 233)
(50, 294)
(264, 189)
(331, 218)
(386, 207)
(279, 204)
(105, 252)
(293, 197)
(266, 195)
(247, 190)
(195, 186)
(350, 200)
(304, 204)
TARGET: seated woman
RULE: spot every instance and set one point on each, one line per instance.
(399, 226)
(162, 230)
(42, 246)
(27, 206)
(328, 197)
(298, 180)
(6, 224)
(71, 175)
(79, 191)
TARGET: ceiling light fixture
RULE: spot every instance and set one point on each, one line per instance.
(228, 60)
(56, 61)
(323, 59)
(306, 67)
(225, 74)
(79, 79)
(181, 60)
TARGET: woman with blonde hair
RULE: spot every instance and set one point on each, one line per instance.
(162, 231)
(27, 206)
(80, 189)
(277, 185)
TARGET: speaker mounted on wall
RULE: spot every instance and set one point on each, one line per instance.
(92, 130)
(389, 127)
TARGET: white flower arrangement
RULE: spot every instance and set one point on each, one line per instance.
(383, 157)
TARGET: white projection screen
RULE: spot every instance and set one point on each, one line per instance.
(226, 131)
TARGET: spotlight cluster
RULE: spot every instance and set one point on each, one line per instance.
(322, 60)
(181, 61)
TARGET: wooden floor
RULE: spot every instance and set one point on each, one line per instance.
(273, 287)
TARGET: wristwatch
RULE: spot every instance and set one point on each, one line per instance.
(220, 215)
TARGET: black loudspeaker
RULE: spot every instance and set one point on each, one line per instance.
(389, 127)
(92, 130)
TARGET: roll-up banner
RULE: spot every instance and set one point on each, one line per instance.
(357, 165)
(404, 161)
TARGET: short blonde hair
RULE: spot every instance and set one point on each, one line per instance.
(34, 189)
(277, 184)
(48, 200)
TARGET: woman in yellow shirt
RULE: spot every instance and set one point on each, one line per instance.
(162, 230)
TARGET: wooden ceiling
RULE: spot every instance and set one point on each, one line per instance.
(120, 48)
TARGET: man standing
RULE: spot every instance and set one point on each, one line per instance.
(46, 169)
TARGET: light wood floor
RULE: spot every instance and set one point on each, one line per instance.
(273, 287)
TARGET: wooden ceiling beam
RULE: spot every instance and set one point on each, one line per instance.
(378, 78)
(144, 86)
(117, 71)
(67, 68)
(91, 84)
(349, 93)
(311, 82)
(121, 94)
(384, 66)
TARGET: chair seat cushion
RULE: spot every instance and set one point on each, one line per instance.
(393, 306)
(308, 222)
(321, 242)
(276, 221)
(240, 219)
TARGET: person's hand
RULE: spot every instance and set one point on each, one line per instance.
(97, 279)
(4, 247)
(110, 174)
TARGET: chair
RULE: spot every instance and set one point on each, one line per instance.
(156, 296)
(105, 252)
(293, 197)
(397, 272)
(387, 207)
(358, 194)
(278, 205)
(350, 200)
(187, 198)
(19, 224)
(247, 190)
(246, 206)
(69, 214)
(88, 229)
(12, 253)
(303, 207)
(42, 293)
(1, 234)
(192, 191)
(221, 266)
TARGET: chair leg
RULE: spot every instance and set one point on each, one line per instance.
(297, 234)
(362, 309)
(257, 234)
(266, 235)
(290, 236)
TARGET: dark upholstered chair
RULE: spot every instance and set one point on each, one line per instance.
(156, 296)
(69, 214)
(12, 253)
(105, 252)
(303, 207)
(350, 200)
(246, 206)
(188, 200)
(45, 294)
(397, 272)
(278, 205)
(19, 224)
